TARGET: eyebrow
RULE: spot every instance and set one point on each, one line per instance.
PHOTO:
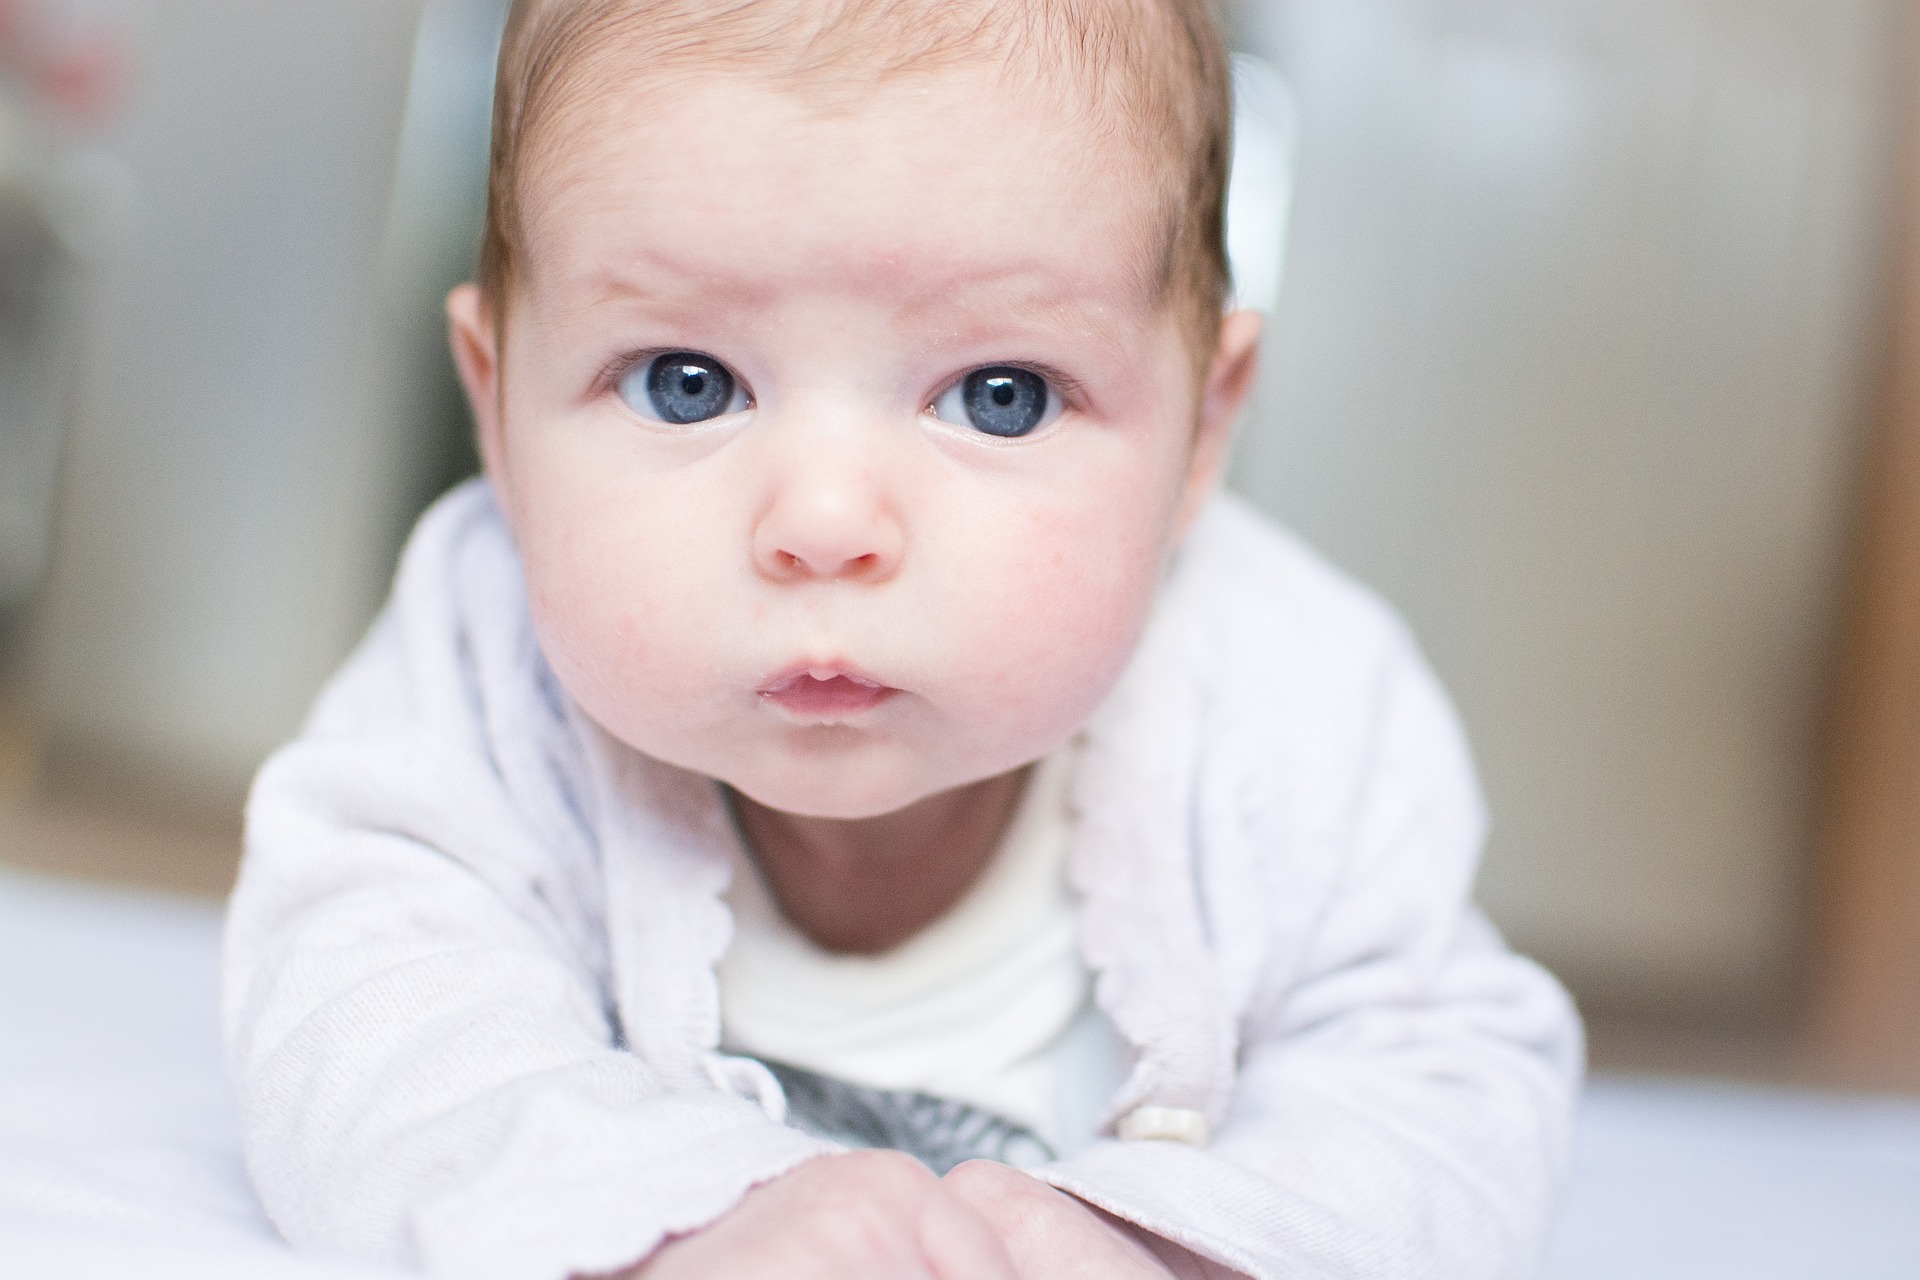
(1054, 312)
(993, 298)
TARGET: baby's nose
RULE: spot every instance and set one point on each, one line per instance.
(828, 518)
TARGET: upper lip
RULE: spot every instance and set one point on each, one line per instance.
(819, 671)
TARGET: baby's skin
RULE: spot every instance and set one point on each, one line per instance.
(880, 1215)
(845, 440)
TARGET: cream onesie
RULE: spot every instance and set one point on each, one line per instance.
(978, 1037)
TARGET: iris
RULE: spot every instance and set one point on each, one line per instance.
(1005, 401)
(681, 387)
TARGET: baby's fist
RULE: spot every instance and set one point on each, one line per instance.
(863, 1215)
(1051, 1235)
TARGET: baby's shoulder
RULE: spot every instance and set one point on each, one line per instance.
(1266, 608)
(454, 635)
(1312, 695)
(1300, 669)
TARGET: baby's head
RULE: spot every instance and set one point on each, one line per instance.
(848, 371)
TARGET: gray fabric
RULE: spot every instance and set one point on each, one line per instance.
(938, 1132)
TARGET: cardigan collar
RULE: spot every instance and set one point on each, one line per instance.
(666, 841)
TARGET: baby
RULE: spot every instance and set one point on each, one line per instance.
(844, 797)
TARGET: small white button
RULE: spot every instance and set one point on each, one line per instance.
(1163, 1124)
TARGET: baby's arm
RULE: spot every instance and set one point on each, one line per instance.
(427, 1076)
(1404, 1096)
(417, 1017)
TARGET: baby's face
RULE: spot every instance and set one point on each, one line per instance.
(844, 448)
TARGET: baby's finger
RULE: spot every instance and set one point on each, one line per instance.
(957, 1242)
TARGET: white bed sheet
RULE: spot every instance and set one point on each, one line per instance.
(119, 1154)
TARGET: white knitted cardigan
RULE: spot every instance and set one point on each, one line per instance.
(472, 1019)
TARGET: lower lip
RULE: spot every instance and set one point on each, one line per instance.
(834, 698)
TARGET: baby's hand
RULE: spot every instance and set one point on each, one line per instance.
(864, 1215)
(1051, 1235)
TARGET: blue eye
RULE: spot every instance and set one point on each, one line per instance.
(682, 388)
(1002, 400)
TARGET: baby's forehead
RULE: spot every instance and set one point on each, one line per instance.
(936, 187)
(1138, 89)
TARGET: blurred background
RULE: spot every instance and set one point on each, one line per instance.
(1598, 355)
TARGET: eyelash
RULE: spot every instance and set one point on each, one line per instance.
(607, 381)
(1070, 388)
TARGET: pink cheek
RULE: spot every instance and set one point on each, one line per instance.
(1078, 629)
(1084, 572)
(594, 641)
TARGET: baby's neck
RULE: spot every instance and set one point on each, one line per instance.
(865, 886)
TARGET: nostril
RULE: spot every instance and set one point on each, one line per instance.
(861, 566)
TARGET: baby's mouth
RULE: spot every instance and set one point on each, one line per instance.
(826, 695)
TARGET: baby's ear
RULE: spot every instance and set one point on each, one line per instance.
(476, 353)
(1236, 359)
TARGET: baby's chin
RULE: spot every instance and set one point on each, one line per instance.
(849, 793)
(838, 801)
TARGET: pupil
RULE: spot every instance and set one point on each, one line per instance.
(693, 382)
(1003, 393)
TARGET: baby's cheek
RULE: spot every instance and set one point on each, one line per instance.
(1070, 618)
(613, 625)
